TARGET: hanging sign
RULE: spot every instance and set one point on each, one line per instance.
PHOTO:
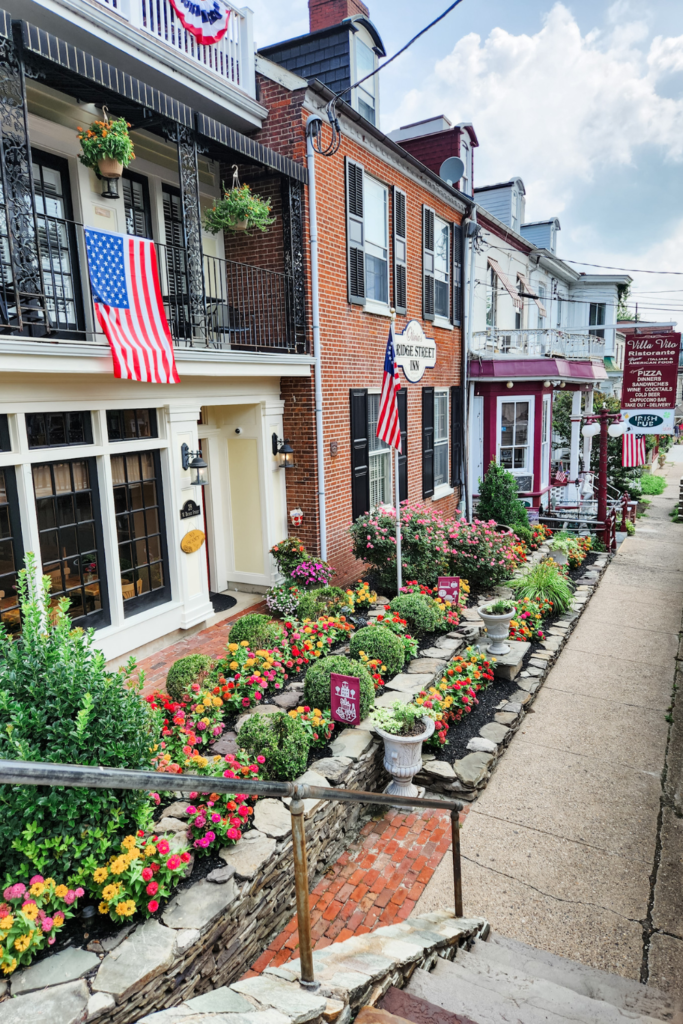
(345, 699)
(192, 541)
(414, 352)
(206, 20)
(650, 371)
(648, 421)
(448, 588)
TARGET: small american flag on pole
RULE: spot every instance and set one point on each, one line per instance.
(124, 279)
(633, 451)
(388, 425)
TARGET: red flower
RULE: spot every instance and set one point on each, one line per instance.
(155, 867)
(152, 906)
(147, 874)
(162, 846)
(185, 857)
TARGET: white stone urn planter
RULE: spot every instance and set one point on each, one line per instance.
(498, 629)
(558, 557)
(403, 758)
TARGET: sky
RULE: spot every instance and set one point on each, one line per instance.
(582, 99)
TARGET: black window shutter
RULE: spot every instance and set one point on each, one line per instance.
(427, 263)
(136, 205)
(403, 457)
(400, 253)
(360, 450)
(427, 442)
(458, 247)
(456, 437)
(355, 236)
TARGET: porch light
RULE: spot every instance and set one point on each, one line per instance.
(546, 383)
(590, 430)
(510, 384)
(110, 189)
(194, 461)
(616, 429)
(284, 449)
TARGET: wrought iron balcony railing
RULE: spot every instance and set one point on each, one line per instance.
(577, 344)
(242, 308)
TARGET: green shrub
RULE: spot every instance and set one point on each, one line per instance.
(317, 682)
(421, 612)
(321, 601)
(545, 582)
(379, 642)
(498, 498)
(248, 628)
(282, 740)
(59, 704)
(525, 534)
(268, 638)
(651, 484)
(184, 672)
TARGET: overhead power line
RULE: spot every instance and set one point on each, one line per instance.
(624, 270)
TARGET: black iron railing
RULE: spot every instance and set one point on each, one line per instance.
(33, 773)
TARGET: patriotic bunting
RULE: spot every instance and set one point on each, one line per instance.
(207, 20)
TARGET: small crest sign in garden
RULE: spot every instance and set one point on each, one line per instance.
(207, 20)
(345, 699)
(449, 588)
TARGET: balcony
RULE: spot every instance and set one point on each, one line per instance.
(231, 59)
(231, 306)
(541, 342)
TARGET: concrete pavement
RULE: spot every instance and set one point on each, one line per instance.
(575, 847)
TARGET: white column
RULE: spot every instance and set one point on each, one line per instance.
(189, 577)
(247, 52)
(572, 490)
(588, 441)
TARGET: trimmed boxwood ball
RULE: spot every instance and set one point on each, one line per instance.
(420, 611)
(184, 672)
(317, 682)
(283, 742)
(378, 642)
(247, 627)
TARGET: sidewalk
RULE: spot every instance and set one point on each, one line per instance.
(560, 849)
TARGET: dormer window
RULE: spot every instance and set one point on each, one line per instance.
(515, 210)
(466, 157)
(366, 94)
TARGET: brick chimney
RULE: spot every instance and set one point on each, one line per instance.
(326, 13)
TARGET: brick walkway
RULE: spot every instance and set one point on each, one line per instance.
(376, 882)
(210, 641)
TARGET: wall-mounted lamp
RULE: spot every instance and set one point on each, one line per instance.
(194, 461)
(110, 189)
(510, 384)
(546, 383)
(284, 449)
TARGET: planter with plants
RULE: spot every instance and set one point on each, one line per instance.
(238, 211)
(545, 582)
(497, 617)
(106, 146)
(403, 729)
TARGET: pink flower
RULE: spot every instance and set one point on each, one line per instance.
(51, 941)
(152, 906)
(147, 874)
(193, 796)
(156, 798)
(173, 862)
(215, 818)
(80, 892)
(191, 809)
(260, 759)
(47, 924)
(36, 879)
(70, 897)
(233, 833)
(162, 846)
(152, 889)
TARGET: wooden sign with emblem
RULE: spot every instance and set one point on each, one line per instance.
(192, 541)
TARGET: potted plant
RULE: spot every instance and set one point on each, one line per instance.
(497, 617)
(403, 728)
(238, 210)
(106, 146)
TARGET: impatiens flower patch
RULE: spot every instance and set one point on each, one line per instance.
(456, 694)
(31, 917)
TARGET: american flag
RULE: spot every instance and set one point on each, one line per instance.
(388, 426)
(633, 451)
(124, 279)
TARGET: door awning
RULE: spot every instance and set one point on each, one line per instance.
(506, 283)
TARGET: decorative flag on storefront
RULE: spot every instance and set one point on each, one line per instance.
(124, 279)
(207, 20)
(388, 425)
(633, 451)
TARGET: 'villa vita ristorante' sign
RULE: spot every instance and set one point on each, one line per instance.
(414, 352)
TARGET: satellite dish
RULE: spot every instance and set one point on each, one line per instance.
(452, 170)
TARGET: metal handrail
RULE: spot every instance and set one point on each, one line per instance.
(40, 773)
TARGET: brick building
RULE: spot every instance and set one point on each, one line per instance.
(389, 237)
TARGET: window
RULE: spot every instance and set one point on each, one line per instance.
(174, 286)
(365, 65)
(545, 440)
(441, 267)
(558, 319)
(515, 210)
(11, 557)
(514, 440)
(136, 204)
(596, 318)
(140, 531)
(491, 297)
(541, 298)
(380, 459)
(376, 241)
(440, 438)
(5, 443)
(466, 157)
(131, 424)
(70, 542)
(58, 429)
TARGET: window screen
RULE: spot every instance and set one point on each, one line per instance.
(376, 241)
(140, 529)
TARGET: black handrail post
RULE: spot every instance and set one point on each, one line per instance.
(457, 864)
(303, 913)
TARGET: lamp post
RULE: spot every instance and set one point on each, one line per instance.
(602, 421)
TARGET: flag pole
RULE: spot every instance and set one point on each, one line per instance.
(399, 573)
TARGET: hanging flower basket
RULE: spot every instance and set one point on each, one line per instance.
(106, 146)
(238, 210)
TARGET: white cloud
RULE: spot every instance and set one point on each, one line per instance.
(557, 108)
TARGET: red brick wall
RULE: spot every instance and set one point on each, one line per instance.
(283, 129)
(302, 481)
(325, 13)
(432, 150)
(257, 248)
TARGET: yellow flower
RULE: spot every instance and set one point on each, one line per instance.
(128, 843)
(8, 968)
(292, 714)
(37, 889)
(133, 855)
(217, 702)
(150, 850)
(50, 881)
(103, 907)
(61, 891)
(119, 865)
(126, 908)
(234, 666)
(100, 874)
(233, 647)
(244, 643)
(6, 922)
(31, 911)
(110, 892)
(22, 943)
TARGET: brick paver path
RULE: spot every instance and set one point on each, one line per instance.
(210, 641)
(376, 882)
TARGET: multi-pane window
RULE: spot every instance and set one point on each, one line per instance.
(440, 438)
(376, 241)
(57, 241)
(596, 318)
(545, 441)
(514, 436)
(69, 524)
(58, 429)
(131, 424)
(139, 527)
(365, 65)
(10, 551)
(441, 267)
(136, 205)
(380, 459)
(541, 299)
(466, 157)
(491, 297)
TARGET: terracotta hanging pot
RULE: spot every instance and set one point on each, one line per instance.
(109, 167)
(240, 225)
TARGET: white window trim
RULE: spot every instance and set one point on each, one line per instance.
(441, 490)
(531, 399)
(378, 391)
(443, 323)
(545, 463)
(377, 309)
(375, 305)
